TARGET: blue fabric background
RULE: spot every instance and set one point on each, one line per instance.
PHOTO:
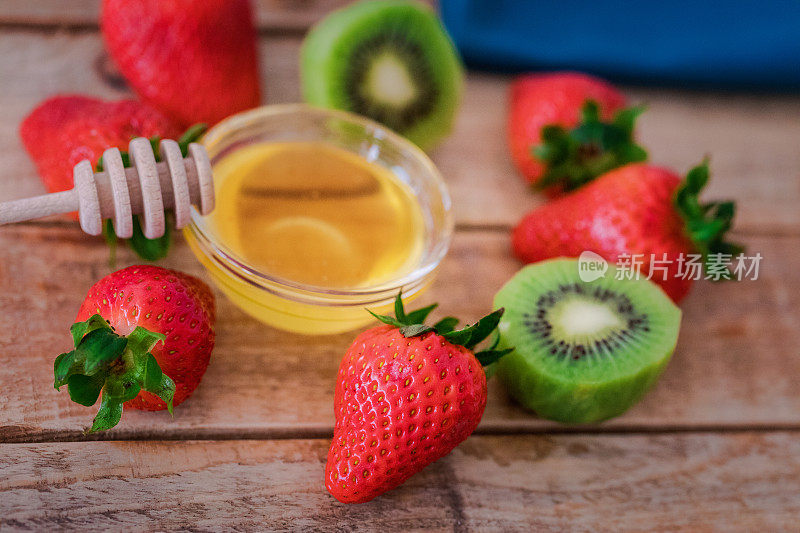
(724, 43)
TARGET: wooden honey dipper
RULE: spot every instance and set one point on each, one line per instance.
(145, 188)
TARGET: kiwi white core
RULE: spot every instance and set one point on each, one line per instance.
(579, 318)
(390, 82)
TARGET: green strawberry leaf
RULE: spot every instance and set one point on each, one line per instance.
(419, 316)
(459, 336)
(111, 242)
(150, 249)
(446, 325)
(98, 348)
(411, 325)
(386, 319)
(495, 340)
(402, 319)
(158, 383)
(470, 336)
(164, 390)
(487, 357)
(191, 135)
(121, 367)
(79, 330)
(575, 157)
(415, 330)
(84, 389)
(64, 367)
(142, 340)
(399, 312)
(152, 374)
(108, 416)
(484, 327)
(706, 223)
(122, 388)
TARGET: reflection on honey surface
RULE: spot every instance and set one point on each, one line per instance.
(316, 214)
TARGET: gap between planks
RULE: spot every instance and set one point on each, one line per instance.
(78, 28)
(475, 227)
(17, 435)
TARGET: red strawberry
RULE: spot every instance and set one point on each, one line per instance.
(406, 395)
(636, 209)
(143, 336)
(64, 130)
(566, 128)
(194, 60)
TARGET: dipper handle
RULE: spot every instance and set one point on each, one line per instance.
(145, 188)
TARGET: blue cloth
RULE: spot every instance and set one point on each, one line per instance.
(721, 44)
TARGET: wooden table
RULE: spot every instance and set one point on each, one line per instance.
(713, 447)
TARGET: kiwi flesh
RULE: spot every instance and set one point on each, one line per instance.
(583, 351)
(389, 60)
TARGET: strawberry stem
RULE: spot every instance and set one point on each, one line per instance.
(412, 325)
(119, 367)
(575, 157)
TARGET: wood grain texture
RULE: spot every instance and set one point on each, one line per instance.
(735, 367)
(50, 12)
(736, 363)
(733, 482)
(271, 15)
(751, 138)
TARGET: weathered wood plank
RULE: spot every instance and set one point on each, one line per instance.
(735, 366)
(751, 137)
(51, 12)
(271, 15)
(694, 482)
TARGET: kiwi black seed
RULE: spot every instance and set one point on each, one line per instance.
(361, 101)
(389, 60)
(583, 351)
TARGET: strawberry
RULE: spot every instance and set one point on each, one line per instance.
(406, 395)
(635, 210)
(566, 128)
(193, 60)
(143, 337)
(65, 130)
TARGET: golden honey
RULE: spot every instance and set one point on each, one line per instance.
(319, 215)
(315, 214)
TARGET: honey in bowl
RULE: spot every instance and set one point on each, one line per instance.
(319, 215)
(316, 214)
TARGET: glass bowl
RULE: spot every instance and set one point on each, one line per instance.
(308, 309)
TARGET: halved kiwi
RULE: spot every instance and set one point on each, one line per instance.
(389, 60)
(583, 351)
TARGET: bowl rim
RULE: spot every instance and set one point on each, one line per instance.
(241, 269)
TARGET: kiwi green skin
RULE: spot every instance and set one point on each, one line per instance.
(333, 38)
(572, 403)
(576, 405)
